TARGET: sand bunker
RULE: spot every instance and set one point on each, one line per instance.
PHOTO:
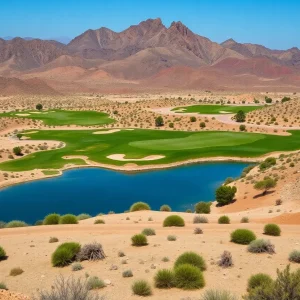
(106, 131)
(121, 157)
(224, 112)
(22, 115)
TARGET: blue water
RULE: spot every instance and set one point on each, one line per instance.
(95, 190)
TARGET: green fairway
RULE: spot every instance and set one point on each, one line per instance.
(214, 109)
(63, 117)
(174, 145)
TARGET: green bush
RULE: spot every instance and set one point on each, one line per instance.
(218, 295)
(94, 283)
(3, 286)
(164, 279)
(165, 208)
(139, 206)
(141, 288)
(68, 219)
(191, 258)
(83, 217)
(16, 223)
(148, 231)
(224, 220)
(2, 224)
(99, 221)
(65, 254)
(173, 220)
(293, 257)
(272, 229)
(171, 238)
(188, 277)
(16, 272)
(267, 163)
(225, 194)
(2, 254)
(51, 219)
(139, 240)
(261, 246)
(259, 280)
(242, 236)
(203, 207)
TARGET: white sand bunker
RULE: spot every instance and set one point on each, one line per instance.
(106, 131)
(225, 112)
(121, 157)
(22, 115)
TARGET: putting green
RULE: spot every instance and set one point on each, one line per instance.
(64, 117)
(137, 144)
(215, 109)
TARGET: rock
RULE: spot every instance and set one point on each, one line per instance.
(107, 282)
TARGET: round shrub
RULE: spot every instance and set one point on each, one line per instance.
(191, 258)
(139, 206)
(224, 220)
(164, 279)
(171, 238)
(245, 220)
(99, 221)
(148, 231)
(141, 288)
(16, 271)
(16, 223)
(77, 267)
(94, 283)
(259, 280)
(51, 219)
(68, 219)
(3, 286)
(65, 254)
(173, 220)
(83, 217)
(38, 223)
(165, 208)
(293, 257)
(272, 229)
(203, 207)
(53, 239)
(2, 254)
(188, 277)
(127, 273)
(261, 246)
(139, 240)
(242, 236)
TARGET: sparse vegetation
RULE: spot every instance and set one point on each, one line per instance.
(53, 240)
(218, 295)
(171, 238)
(225, 260)
(16, 272)
(91, 252)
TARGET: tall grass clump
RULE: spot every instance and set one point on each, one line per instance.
(2, 254)
(94, 283)
(188, 277)
(139, 206)
(139, 240)
(261, 246)
(200, 219)
(51, 219)
(224, 220)
(68, 219)
(165, 208)
(164, 279)
(242, 236)
(218, 295)
(295, 256)
(272, 229)
(191, 258)
(173, 220)
(16, 223)
(141, 288)
(65, 254)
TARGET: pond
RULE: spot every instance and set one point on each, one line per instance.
(95, 190)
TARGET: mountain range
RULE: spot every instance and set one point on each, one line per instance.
(147, 56)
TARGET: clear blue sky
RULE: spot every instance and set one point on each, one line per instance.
(272, 23)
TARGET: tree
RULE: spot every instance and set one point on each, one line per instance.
(225, 194)
(19, 135)
(268, 99)
(39, 106)
(159, 121)
(240, 116)
(265, 185)
(17, 151)
(285, 99)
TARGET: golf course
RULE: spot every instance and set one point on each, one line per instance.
(167, 146)
(214, 109)
(63, 117)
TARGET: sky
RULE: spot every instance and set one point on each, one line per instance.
(272, 23)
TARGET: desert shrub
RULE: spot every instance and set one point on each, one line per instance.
(15, 223)
(191, 258)
(148, 231)
(91, 252)
(259, 280)
(225, 260)
(53, 240)
(139, 206)
(2, 254)
(267, 163)
(188, 277)
(139, 240)
(94, 283)
(218, 295)
(225, 194)
(242, 236)
(224, 220)
(198, 230)
(127, 273)
(261, 246)
(272, 229)
(141, 288)
(83, 217)
(159, 121)
(99, 221)
(68, 219)
(38, 223)
(65, 254)
(295, 256)
(173, 220)
(16, 271)
(189, 211)
(171, 238)
(165, 259)
(200, 219)
(2, 224)
(245, 220)
(203, 207)
(51, 219)
(77, 267)
(121, 254)
(3, 286)
(164, 279)
(165, 208)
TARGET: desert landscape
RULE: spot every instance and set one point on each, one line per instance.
(149, 162)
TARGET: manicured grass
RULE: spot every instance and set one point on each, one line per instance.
(174, 145)
(215, 109)
(63, 117)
